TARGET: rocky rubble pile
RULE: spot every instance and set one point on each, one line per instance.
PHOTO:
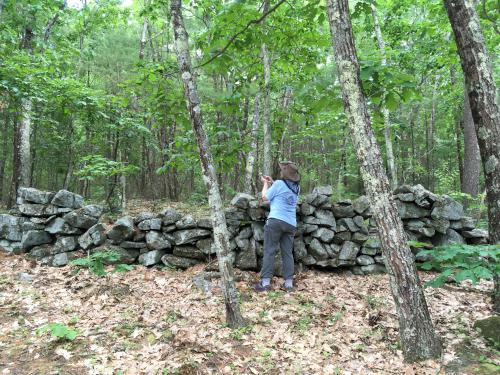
(57, 227)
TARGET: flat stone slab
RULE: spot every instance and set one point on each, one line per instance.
(65, 198)
(34, 195)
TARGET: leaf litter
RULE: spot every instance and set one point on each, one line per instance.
(156, 321)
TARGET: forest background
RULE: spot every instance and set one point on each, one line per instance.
(98, 85)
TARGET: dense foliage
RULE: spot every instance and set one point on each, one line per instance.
(109, 119)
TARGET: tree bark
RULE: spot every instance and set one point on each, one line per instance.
(472, 158)
(391, 164)
(249, 169)
(5, 152)
(266, 123)
(482, 93)
(221, 234)
(418, 339)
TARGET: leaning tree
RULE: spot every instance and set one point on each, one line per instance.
(482, 92)
(221, 234)
(418, 338)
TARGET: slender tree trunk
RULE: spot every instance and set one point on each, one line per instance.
(460, 160)
(418, 339)
(391, 164)
(483, 100)
(24, 145)
(266, 123)
(5, 153)
(221, 234)
(287, 97)
(249, 170)
(472, 158)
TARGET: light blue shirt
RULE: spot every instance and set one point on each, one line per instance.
(283, 202)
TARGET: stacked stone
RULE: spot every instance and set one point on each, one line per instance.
(51, 227)
(439, 220)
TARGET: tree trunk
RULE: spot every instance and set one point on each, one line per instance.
(460, 160)
(482, 93)
(266, 124)
(249, 170)
(418, 339)
(221, 234)
(24, 147)
(472, 159)
(5, 153)
(391, 164)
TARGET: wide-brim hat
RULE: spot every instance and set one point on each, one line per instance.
(289, 171)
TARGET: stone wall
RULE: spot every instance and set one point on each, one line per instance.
(55, 228)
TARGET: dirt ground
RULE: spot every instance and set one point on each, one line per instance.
(157, 321)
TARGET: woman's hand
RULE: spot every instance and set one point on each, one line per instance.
(266, 179)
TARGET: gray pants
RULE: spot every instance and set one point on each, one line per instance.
(278, 233)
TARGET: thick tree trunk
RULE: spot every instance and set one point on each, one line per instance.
(24, 147)
(460, 160)
(391, 164)
(482, 93)
(266, 123)
(472, 158)
(249, 169)
(418, 339)
(221, 234)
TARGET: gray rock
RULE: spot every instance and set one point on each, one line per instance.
(187, 222)
(359, 237)
(340, 210)
(247, 259)
(93, 210)
(475, 233)
(11, 227)
(189, 252)
(25, 277)
(256, 214)
(190, 235)
(324, 234)
(206, 246)
(369, 251)
(373, 269)
(34, 195)
(42, 251)
(380, 259)
(122, 230)
(171, 217)
(299, 249)
(327, 263)
(133, 245)
(447, 208)
(235, 214)
(150, 224)
(373, 242)
(356, 270)
(205, 223)
(62, 259)
(349, 251)
(361, 204)
(60, 226)
(79, 219)
(365, 260)
(40, 210)
(241, 200)
(94, 236)
(309, 228)
(450, 237)
(410, 210)
(28, 225)
(349, 224)
(10, 247)
(309, 260)
(33, 238)
(325, 218)
(157, 241)
(414, 224)
(359, 221)
(320, 200)
(169, 228)
(341, 237)
(468, 223)
(406, 197)
(309, 198)
(333, 250)
(312, 220)
(64, 198)
(317, 250)
(65, 244)
(258, 230)
(456, 225)
(242, 243)
(144, 216)
(323, 190)
(151, 257)
(427, 232)
(246, 232)
(441, 225)
(177, 262)
(423, 197)
(306, 209)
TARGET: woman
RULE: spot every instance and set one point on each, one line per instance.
(281, 224)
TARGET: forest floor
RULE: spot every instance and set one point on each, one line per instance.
(157, 321)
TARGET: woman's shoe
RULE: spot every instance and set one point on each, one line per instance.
(261, 288)
(287, 289)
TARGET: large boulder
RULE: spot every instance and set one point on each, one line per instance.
(144, 216)
(306, 209)
(324, 234)
(317, 250)
(447, 208)
(33, 238)
(241, 200)
(410, 210)
(123, 229)
(343, 210)
(449, 238)
(348, 224)
(151, 257)
(178, 262)
(190, 235)
(41, 210)
(365, 260)
(157, 240)
(349, 251)
(187, 222)
(65, 244)
(489, 328)
(325, 218)
(299, 249)
(11, 227)
(80, 219)
(206, 245)
(189, 252)
(323, 190)
(93, 210)
(150, 224)
(65, 198)
(94, 236)
(170, 217)
(35, 195)
(247, 259)
(58, 225)
(361, 205)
